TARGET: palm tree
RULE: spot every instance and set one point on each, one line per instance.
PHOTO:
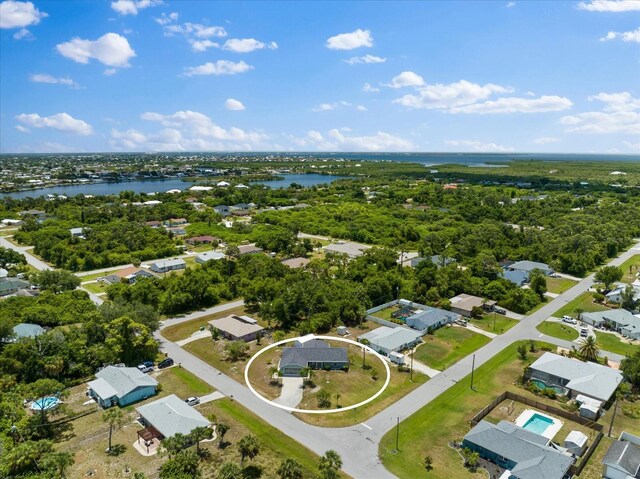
(366, 343)
(338, 396)
(290, 469)
(248, 447)
(115, 419)
(579, 312)
(330, 460)
(589, 349)
(58, 463)
(273, 371)
(221, 429)
(229, 470)
(174, 444)
(200, 433)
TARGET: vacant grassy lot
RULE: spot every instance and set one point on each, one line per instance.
(95, 288)
(583, 302)
(558, 330)
(95, 276)
(630, 269)
(447, 346)
(559, 285)
(184, 330)
(610, 342)
(494, 323)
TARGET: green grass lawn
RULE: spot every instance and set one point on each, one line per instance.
(583, 302)
(191, 382)
(502, 323)
(634, 262)
(558, 330)
(610, 342)
(95, 288)
(94, 276)
(386, 313)
(559, 285)
(184, 330)
(447, 346)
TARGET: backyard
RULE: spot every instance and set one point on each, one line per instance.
(447, 346)
(558, 330)
(583, 303)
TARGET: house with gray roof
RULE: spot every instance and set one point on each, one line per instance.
(524, 454)
(589, 379)
(622, 460)
(519, 272)
(209, 256)
(351, 249)
(12, 285)
(618, 320)
(237, 328)
(313, 354)
(169, 416)
(119, 385)
(386, 340)
(431, 318)
(27, 330)
(164, 266)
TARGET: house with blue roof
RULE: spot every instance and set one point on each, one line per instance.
(122, 386)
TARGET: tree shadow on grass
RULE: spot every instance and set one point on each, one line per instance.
(252, 472)
(117, 449)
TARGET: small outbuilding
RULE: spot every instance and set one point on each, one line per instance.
(576, 443)
(396, 358)
(341, 330)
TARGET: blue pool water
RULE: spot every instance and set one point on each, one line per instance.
(542, 385)
(538, 424)
(45, 403)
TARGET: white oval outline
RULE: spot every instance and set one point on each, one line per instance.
(317, 411)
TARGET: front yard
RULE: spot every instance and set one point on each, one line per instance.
(558, 330)
(447, 346)
(583, 303)
(610, 342)
(630, 269)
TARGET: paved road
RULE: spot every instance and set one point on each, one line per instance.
(203, 312)
(358, 444)
(32, 260)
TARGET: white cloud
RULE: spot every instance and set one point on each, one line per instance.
(632, 146)
(22, 129)
(546, 140)
(59, 121)
(22, 34)
(365, 59)
(234, 105)
(632, 36)
(202, 45)
(349, 41)
(325, 107)
(370, 89)
(15, 14)
(110, 71)
(610, 6)
(336, 140)
(441, 96)
(511, 4)
(110, 49)
(132, 7)
(221, 67)
(516, 105)
(246, 45)
(405, 79)
(479, 146)
(361, 108)
(165, 19)
(45, 78)
(620, 114)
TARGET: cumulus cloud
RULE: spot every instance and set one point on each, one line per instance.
(45, 78)
(365, 59)
(335, 105)
(221, 67)
(516, 105)
(370, 89)
(361, 108)
(546, 140)
(132, 7)
(22, 129)
(632, 36)
(470, 145)
(59, 121)
(110, 49)
(349, 41)
(337, 140)
(233, 105)
(405, 79)
(15, 14)
(165, 19)
(445, 96)
(22, 34)
(198, 35)
(246, 45)
(511, 4)
(620, 114)
(613, 6)
(202, 45)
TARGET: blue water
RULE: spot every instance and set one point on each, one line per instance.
(538, 424)
(45, 403)
(543, 385)
(305, 180)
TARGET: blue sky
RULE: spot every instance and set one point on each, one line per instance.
(149, 75)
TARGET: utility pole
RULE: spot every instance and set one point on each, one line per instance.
(397, 433)
(473, 367)
(494, 320)
(411, 370)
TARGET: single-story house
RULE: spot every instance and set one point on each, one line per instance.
(515, 272)
(463, 304)
(351, 249)
(153, 224)
(164, 266)
(589, 379)
(208, 256)
(177, 230)
(622, 460)
(619, 320)
(386, 340)
(241, 207)
(615, 295)
(249, 249)
(576, 442)
(128, 275)
(175, 222)
(296, 262)
(517, 277)
(436, 259)
(405, 257)
(12, 285)
(222, 210)
(222, 184)
(525, 454)
(77, 232)
(196, 240)
(243, 328)
(169, 416)
(311, 353)
(430, 317)
(26, 330)
(115, 385)
(11, 222)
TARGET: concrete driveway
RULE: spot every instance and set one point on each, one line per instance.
(291, 392)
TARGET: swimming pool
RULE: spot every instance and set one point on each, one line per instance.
(538, 424)
(542, 385)
(45, 403)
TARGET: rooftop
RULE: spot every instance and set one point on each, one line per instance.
(351, 249)
(314, 350)
(295, 262)
(529, 266)
(624, 455)
(391, 338)
(27, 330)
(467, 302)
(237, 326)
(123, 380)
(170, 416)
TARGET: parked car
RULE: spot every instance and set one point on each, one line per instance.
(584, 332)
(500, 310)
(569, 319)
(165, 363)
(149, 364)
(192, 401)
(144, 368)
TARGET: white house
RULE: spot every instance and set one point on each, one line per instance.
(618, 320)
(165, 266)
